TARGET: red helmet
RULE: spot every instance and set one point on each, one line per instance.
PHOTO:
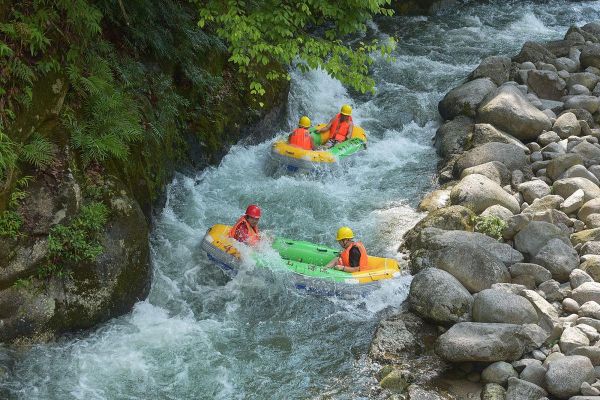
(253, 211)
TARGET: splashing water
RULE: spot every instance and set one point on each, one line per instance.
(204, 335)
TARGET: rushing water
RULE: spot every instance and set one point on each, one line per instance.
(202, 335)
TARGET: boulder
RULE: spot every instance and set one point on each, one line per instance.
(590, 309)
(544, 204)
(573, 202)
(557, 166)
(498, 372)
(513, 157)
(558, 257)
(452, 136)
(539, 273)
(494, 170)
(465, 99)
(585, 79)
(546, 84)
(496, 68)
(588, 291)
(509, 110)
(590, 247)
(592, 268)
(572, 338)
(447, 218)
(478, 192)
(578, 277)
(567, 125)
(534, 189)
(534, 52)
(472, 341)
(548, 137)
(590, 55)
(590, 207)
(588, 103)
(497, 211)
(566, 187)
(589, 152)
(548, 315)
(493, 391)
(486, 133)
(579, 171)
(449, 303)
(497, 306)
(535, 235)
(587, 235)
(535, 374)
(435, 200)
(566, 374)
(519, 389)
(591, 352)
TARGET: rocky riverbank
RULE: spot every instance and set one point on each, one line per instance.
(505, 300)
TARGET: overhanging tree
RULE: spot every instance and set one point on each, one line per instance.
(266, 34)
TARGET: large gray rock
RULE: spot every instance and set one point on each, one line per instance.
(509, 110)
(587, 235)
(588, 103)
(557, 166)
(586, 79)
(536, 235)
(465, 99)
(472, 341)
(534, 189)
(498, 372)
(534, 52)
(539, 273)
(494, 170)
(588, 291)
(497, 68)
(546, 312)
(497, 211)
(590, 56)
(572, 338)
(590, 207)
(492, 305)
(493, 391)
(545, 204)
(558, 257)
(513, 157)
(519, 389)
(486, 133)
(579, 171)
(452, 136)
(478, 192)
(567, 125)
(535, 374)
(566, 187)
(546, 84)
(566, 374)
(589, 153)
(475, 268)
(450, 302)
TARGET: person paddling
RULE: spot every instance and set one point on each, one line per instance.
(340, 127)
(354, 256)
(300, 137)
(245, 229)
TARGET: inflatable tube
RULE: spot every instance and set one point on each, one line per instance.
(306, 261)
(296, 158)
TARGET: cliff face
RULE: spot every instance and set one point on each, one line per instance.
(74, 229)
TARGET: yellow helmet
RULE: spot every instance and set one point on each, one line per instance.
(304, 122)
(344, 233)
(346, 109)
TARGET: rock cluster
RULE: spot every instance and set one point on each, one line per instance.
(521, 143)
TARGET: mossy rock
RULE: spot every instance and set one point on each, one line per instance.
(447, 218)
(396, 381)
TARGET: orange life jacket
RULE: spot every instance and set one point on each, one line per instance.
(301, 138)
(339, 130)
(251, 235)
(364, 259)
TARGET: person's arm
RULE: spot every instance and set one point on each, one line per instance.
(350, 129)
(326, 127)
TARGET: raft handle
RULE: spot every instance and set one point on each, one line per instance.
(322, 250)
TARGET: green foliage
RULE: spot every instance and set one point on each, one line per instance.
(10, 224)
(79, 241)
(261, 35)
(25, 283)
(10, 220)
(8, 154)
(37, 152)
(490, 225)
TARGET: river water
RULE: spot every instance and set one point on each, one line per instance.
(203, 335)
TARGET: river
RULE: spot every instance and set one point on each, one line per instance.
(203, 335)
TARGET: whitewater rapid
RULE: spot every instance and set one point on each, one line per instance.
(203, 335)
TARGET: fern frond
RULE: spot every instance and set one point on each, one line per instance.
(8, 153)
(38, 151)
